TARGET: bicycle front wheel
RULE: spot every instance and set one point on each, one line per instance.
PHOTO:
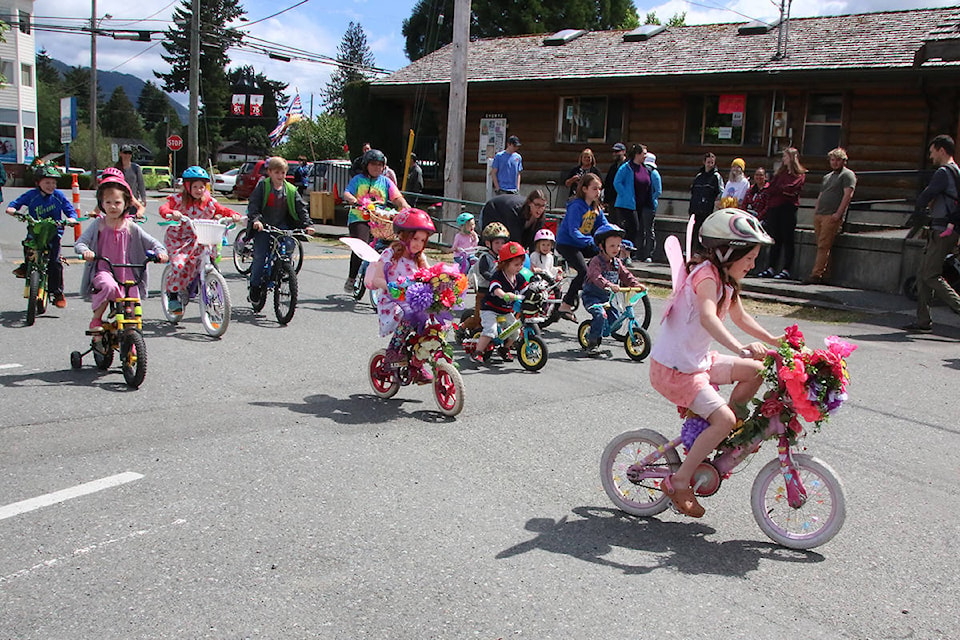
(627, 449)
(532, 353)
(296, 256)
(448, 388)
(133, 358)
(215, 304)
(242, 252)
(171, 316)
(33, 297)
(811, 525)
(285, 292)
(638, 344)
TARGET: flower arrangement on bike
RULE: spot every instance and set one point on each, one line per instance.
(196, 203)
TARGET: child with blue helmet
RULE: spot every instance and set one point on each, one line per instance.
(605, 273)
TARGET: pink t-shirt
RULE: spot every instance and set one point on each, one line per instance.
(463, 242)
(683, 344)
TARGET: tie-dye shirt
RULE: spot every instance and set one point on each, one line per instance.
(380, 189)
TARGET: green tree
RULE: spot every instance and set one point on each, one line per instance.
(154, 106)
(354, 56)
(679, 19)
(48, 117)
(82, 146)
(255, 139)
(319, 139)
(120, 119)
(216, 39)
(424, 33)
(45, 69)
(76, 83)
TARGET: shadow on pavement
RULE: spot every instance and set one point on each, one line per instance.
(679, 546)
(88, 376)
(359, 409)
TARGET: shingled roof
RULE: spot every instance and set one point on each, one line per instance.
(883, 40)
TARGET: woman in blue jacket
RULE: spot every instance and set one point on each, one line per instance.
(638, 189)
(575, 236)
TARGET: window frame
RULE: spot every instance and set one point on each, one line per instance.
(840, 125)
(761, 106)
(562, 101)
(26, 71)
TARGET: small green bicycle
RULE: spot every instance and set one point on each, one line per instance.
(36, 249)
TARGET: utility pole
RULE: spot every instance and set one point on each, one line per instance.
(93, 90)
(457, 109)
(193, 139)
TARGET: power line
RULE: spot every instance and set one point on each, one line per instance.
(273, 15)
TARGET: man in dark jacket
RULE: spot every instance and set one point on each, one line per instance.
(704, 192)
(941, 196)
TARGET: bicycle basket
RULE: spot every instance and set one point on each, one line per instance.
(209, 232)
(381, 223)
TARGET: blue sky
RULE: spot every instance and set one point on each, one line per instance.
(318, 26)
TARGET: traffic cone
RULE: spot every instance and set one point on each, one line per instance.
(75, 187)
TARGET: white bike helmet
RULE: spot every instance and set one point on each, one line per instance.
(733, 228)
(544, 234)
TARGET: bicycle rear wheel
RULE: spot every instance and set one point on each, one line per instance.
(811, 525)
(242, 252)
(215, 304)
(646, 498)
(285, 292)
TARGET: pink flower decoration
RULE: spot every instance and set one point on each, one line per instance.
(447, 298)
(772, 406)
(794, 337)
(839, 347)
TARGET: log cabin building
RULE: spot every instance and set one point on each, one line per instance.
(879, 84)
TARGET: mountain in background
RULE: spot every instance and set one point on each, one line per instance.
(108, 81)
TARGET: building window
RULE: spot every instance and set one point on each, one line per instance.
(24, 22)
(26, 75)
(734, 119)
(590, 120)
(6, 69)
(821, 131)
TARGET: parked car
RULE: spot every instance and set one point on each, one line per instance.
(251, 172)
(156, 177)
(226, 181)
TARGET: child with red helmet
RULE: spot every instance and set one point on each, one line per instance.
(506, 286)
(115, 237)
(403, 258)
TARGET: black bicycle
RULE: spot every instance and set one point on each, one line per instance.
(279, 274)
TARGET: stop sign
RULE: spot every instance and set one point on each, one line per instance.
(174, 143)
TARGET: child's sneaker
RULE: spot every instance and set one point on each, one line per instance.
(21, 271)
(593, 347)
(59, 301)
(477, 358)
(173, 303)
(348, 285)
(96, 325)
(505, 353)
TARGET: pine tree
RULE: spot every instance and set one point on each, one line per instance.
(46, 72)
(216, 39)
(120, 119)
(246, 80)
(154, 106)
(355, 57)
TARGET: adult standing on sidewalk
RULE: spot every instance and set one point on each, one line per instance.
(780, 221)
(633, 194)
(609, 190)
(941, 195)
(132, 173)
(705, 193)
(588, 164)
(507, 167)
(836, 192)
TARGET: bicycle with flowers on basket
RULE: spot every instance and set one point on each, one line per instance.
(208, 288)
(796, 499)
(427, 300)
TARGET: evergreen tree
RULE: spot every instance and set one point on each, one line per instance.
(46, 72)
(154, 106)
(678, 19)
(48, 116)
(247, 81)
(120, 119)
(76, 83)
(492, 18)
(216, 39)
(355, 56)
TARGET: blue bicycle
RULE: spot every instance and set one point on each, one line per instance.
(622, 325)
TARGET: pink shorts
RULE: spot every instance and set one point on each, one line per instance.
(694, 390)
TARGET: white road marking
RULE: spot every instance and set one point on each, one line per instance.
(66, 494)
(12, 365)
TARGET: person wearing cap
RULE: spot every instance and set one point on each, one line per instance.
(506, 168)
(588, 164)
(648, 239)
(132, 174)
(737, 183)
(619, 151)
(836, 192)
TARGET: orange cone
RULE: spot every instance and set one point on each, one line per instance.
(75, 187)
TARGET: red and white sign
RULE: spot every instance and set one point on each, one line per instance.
(174, 143)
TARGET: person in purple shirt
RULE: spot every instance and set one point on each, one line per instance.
(46, 201)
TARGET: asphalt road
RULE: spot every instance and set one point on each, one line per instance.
(275, 497)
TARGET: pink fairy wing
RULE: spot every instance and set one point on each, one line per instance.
(690, 225)
(675, 257)
(362, 249)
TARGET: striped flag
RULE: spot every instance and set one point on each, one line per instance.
(293, 114)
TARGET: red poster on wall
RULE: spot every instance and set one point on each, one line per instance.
(732, 103)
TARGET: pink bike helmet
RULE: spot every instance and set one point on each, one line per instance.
(111, 173)
(114, 182)
(544, 234)
(413, 220)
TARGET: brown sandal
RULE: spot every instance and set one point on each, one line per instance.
(683, 499)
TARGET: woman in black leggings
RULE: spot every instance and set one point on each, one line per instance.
(575, 236)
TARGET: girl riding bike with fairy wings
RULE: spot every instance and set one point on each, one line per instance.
(196, 203)
(683, 368)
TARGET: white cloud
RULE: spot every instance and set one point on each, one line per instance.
(710, 11)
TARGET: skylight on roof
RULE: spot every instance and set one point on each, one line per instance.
(563, 37)
(644, 32)
(758, 26)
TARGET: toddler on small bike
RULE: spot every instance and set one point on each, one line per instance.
(196, 203)
(506, 287)
(465, 242)
(683, 369)
(605, 273)
(494, 236)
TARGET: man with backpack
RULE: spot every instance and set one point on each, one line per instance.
(941, 196)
